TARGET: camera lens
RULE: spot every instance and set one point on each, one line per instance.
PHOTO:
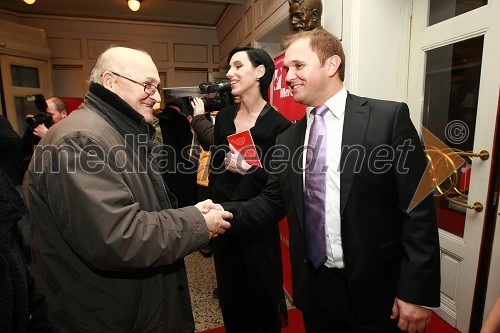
(30, 120)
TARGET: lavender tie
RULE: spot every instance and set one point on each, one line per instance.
(315, 188)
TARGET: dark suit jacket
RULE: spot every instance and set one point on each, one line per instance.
(388, 252)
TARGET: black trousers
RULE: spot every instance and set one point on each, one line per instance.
(330, 310)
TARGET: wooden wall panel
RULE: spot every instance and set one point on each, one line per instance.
(157, 50)
(196, 53)
(65, 48)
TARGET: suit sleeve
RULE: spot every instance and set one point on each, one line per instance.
(419, 281)
(262, 210)
(258, 212)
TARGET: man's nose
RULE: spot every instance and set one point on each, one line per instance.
(157, 92)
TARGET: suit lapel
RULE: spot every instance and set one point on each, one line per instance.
(296, 177)
(356, 118)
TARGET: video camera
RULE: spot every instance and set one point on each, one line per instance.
(222, 98)
(42, 116)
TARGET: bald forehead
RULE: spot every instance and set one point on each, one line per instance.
(126, 56)
(130, 61)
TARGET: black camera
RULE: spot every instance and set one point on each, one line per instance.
(42, 116)
(222, 98)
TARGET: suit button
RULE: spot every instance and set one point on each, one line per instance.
(305, 261)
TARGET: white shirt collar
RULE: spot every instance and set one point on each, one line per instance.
(336, 104)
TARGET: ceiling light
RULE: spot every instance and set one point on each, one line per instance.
(30, 2)
(134, 5)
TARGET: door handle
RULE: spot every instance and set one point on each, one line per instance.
(452, 192)
(477, 206)
(483, 154)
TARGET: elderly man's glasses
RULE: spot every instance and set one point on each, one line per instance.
(149, 88)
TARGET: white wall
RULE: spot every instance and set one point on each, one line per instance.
(375, 37)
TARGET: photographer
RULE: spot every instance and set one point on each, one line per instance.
(57, 109)
(202, 126)
(51, 111)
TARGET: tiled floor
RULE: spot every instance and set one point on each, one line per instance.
(201, 275)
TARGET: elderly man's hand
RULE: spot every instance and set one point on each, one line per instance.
(215, 217)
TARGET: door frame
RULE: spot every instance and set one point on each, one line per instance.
(468, 250)
(10, 91)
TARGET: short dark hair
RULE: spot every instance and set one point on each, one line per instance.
(258, 57)
(323, 43)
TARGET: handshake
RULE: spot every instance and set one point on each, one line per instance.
(215, 217)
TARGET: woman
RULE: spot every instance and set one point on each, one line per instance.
(248, 265)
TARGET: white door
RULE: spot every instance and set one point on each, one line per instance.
(22, 77)
(453, 91)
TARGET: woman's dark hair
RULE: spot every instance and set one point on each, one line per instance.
(258, 57)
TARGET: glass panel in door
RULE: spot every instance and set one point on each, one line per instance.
(441, 10)
(23, 109)
(23, 76)
(452, 78)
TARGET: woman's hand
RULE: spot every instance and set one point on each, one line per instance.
(235, 162)
(198, 106)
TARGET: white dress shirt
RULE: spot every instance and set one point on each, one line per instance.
(334, 119)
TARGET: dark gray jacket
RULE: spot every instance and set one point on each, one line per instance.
(107, 248)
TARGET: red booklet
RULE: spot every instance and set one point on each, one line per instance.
(243, 143)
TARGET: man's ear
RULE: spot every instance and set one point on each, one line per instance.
(315, 17)
(64, 113)
(107, 80)
(333, 64)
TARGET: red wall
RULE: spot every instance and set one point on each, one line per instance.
(72, 103)
(282, 100)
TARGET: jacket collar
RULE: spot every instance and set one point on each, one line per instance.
(116, 108)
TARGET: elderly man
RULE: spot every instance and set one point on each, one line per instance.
(305, 15)
(107, 246)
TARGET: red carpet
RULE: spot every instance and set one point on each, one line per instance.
(296, 325)
(438, 325)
